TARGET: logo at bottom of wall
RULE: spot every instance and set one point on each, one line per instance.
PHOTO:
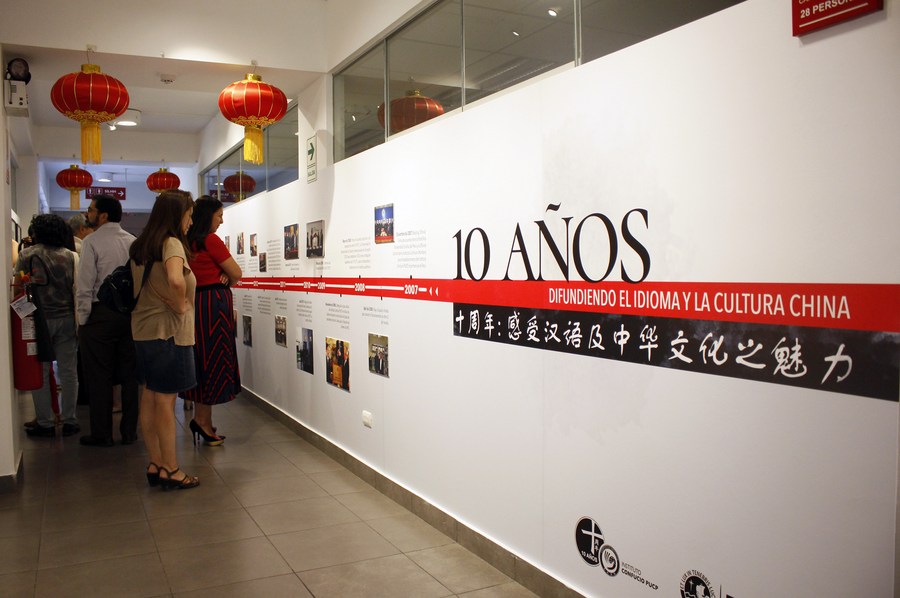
(593, 547)
(696, 585)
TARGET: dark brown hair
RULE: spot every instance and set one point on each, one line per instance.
(204, 209)
(165, 221)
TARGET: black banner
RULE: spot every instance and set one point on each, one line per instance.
(861, 363)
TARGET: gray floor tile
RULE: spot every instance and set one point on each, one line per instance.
(21, 521)
(263, 492)
(333, 545)
(339, 482)
(505, 590)
(457, 568)
(222, 564)
(203, 528)
(370, 504)
(204, 498)
(83, 545)
(134, 576)
(314, 461)
(235, 453)
(299, 515)
(243, 471)
(387, 577)
(93, 512)
(19, 553)
(282, 586)
(18, 585)
(408, 533)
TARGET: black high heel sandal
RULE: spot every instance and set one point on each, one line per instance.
(152, 478)
(208, 439)
(184, 483)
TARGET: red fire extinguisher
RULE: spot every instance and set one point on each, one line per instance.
(28, 371)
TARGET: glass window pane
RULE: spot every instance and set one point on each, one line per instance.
(358, 91)
(424, 57)
(282, 151)
(610, 25)
(509, 41)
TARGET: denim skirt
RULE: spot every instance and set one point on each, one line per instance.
(165, 367)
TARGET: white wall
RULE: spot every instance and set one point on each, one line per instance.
(769, 160)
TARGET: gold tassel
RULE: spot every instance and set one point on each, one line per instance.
(90, 142)
(253, 144)
(74, 199)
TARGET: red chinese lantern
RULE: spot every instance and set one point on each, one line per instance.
(163, 180)
(239, 184)
(74, 180)
(254, 105)
(91, 98)
(410, 110)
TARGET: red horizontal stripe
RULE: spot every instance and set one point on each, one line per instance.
(872, 307)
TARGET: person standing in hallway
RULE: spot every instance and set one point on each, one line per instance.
(162, 324)
(80, 229)
(215, 353)
(107, 349)
(50, 268)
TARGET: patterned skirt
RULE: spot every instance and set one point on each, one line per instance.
(218, 377)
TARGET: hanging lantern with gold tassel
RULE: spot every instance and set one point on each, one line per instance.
(410, 110)
(74, 180)
(254, 105)
(91, 98)
(163, 180)
(239, 185)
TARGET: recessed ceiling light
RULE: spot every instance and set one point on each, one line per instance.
(104, 177)
(516, 33)
(553, 12)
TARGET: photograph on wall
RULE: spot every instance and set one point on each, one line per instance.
(315, 241)
(292, 242)
(281, 331)
(248, 331)
(228, 242)
(337, 363)
(240, 244)
(262, 262)
(384, 224)
(234, 321)
(253, 247)
(378, 355)
(304, 346)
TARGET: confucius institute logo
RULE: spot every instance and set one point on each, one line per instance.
(593, 548)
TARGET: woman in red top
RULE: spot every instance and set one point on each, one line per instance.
(218, 378)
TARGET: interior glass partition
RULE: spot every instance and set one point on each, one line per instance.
(460, 51)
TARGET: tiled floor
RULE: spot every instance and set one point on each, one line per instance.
(273, 516)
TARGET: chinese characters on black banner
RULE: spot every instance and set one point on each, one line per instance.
(847, 361)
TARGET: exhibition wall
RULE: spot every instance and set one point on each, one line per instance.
(636, 322)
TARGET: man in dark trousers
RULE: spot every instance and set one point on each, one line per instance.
(104, 336)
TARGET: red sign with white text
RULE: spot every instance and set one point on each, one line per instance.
(812, 15)
(117, 192)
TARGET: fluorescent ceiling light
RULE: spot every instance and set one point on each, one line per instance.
(130, 118)
(104, 177)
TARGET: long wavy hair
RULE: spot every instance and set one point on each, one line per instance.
(204, 209)
(164, 222)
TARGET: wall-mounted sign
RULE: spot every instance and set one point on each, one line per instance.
(812, 15)
(117, 192)
(311, 159)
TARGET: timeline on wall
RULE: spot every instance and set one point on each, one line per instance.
(839, 338)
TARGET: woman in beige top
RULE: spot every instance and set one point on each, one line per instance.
(162, 325)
